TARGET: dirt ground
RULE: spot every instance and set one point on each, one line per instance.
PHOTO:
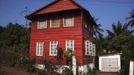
(15, 71)
(20, 71)
(107, 73)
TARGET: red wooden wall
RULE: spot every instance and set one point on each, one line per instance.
(60, 34)
(86, 36)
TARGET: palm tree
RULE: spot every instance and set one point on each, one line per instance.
(96, 30)
(131, 18)
(118, 29)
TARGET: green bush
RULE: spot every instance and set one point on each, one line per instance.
(29, 65)
(67, 71)
(91, 71)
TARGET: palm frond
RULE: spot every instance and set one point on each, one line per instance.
(131, 18)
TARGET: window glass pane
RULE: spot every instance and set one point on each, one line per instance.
(53, 50)
(55, 22)
(68, 21)
(70, 44)
(39, 48)
(42, 24)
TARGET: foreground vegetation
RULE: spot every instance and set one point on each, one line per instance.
(119, 40)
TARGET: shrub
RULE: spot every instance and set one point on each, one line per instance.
(91, 71)
(67, 71)
(29, 65)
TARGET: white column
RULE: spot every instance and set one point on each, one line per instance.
(74, 64)
(131, 66)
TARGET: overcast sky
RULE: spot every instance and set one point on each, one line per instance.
(107, 11)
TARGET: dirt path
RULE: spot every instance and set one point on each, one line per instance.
(107, 73)
(15, 71)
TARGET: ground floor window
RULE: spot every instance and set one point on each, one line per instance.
(39, 48)
(89, 48)
(70, 44)
(53, 48)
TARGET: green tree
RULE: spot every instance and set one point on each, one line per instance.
(121, 40)
(120, 43)
(117, 29)
(96, 30)
(131, 18)
(14, 43)
(1, 29)
(123, 43)
(97, 33)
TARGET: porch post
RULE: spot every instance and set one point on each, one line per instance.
(74, 64)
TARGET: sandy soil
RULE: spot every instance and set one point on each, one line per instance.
(15, 71)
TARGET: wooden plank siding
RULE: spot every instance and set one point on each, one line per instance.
(78, 32)
(60, 34)
(86, 36)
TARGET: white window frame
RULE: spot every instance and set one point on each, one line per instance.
(91, 49)
(64, 21)
(39, 48)
(70, 45)
(87, 52)
(42, 24)
(94, 50)
(50, 51)
(51, 22)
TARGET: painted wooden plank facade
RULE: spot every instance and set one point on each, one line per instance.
(79, 32)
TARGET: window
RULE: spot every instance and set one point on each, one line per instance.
(70, 44)
(89, 48)
(55, 22)
(68, 21)
(39, 48)
(85, 25)
(53, 48)
(93, 50)
(42, 24)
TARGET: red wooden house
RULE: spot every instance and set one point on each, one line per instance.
(64, 23)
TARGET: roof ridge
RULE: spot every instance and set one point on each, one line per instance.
(53, 2)
(44, 7)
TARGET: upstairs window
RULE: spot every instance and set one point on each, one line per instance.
(68, 21)
(42, 24)
(53, 48)
(89, 48)
(70, 44)
(55, 22)
(85, 24)
(39, 48)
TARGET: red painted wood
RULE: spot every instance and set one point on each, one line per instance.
(78, 33)
(60, 34)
